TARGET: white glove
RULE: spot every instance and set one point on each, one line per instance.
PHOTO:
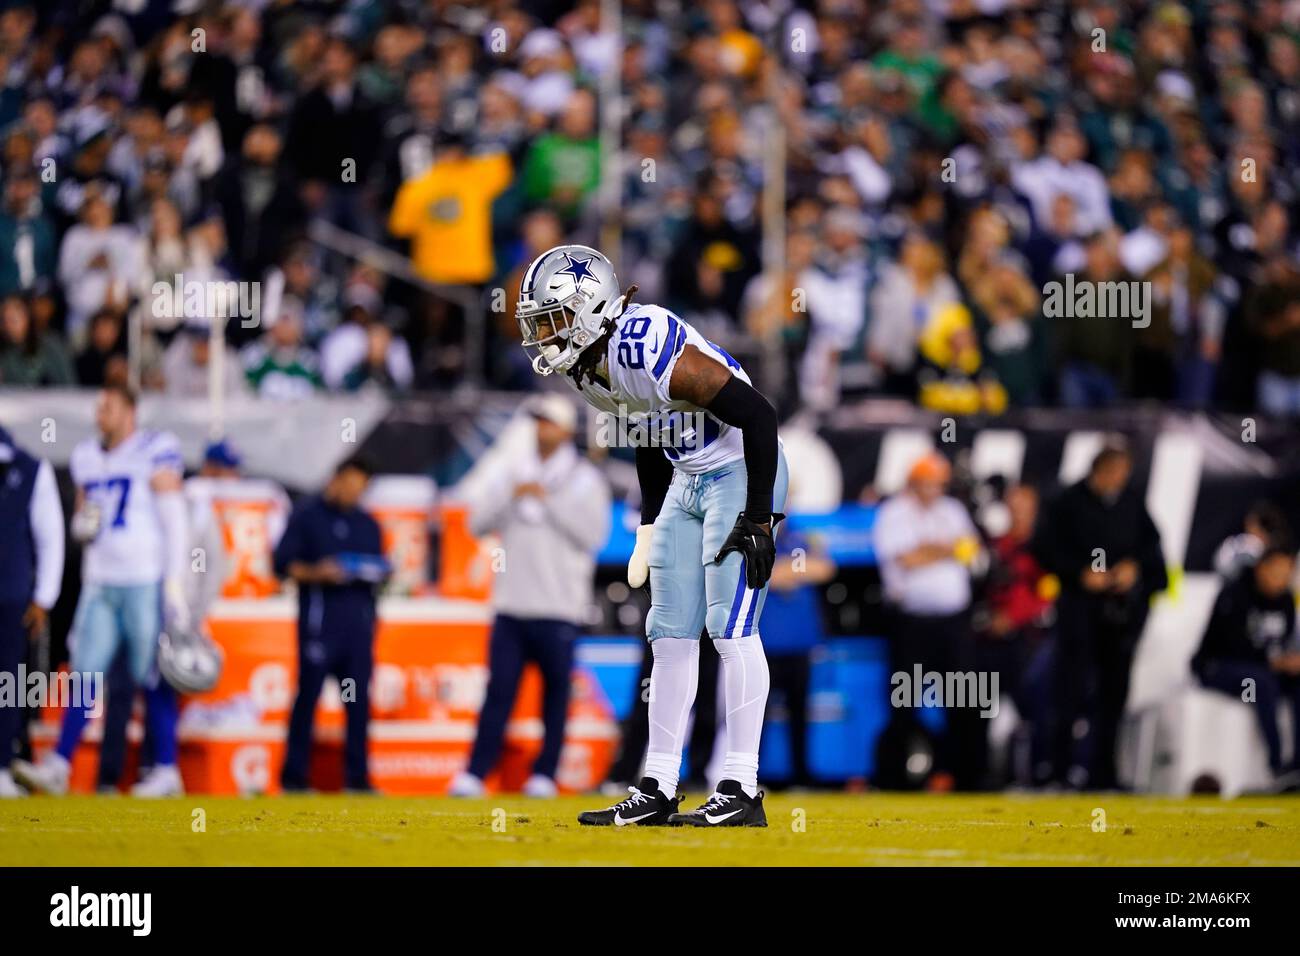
(86, 522)
(638, 567)
(176, 610)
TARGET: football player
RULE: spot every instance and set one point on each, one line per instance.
(713, 480)
(131, 517)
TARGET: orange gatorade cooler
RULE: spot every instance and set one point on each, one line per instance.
(250, 515)
(466, 567)
(403, 506)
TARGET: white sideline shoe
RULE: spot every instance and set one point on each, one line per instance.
(541, 787)
(466, 785)
(160, 781)
(50, 776)
(9, 790)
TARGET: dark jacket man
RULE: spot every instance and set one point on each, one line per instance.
(1099, 539)
(332, 549)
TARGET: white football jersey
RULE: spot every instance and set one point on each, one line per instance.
(642, 354)
(129, 547)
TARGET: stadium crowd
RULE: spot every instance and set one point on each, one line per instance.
(945, 160)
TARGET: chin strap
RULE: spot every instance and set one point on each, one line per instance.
(541, 366)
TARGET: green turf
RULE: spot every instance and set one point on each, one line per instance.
(509, 830)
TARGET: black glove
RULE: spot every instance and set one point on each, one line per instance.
(755, 544)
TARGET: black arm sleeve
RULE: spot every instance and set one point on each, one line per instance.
(654, 472)
(744, 407)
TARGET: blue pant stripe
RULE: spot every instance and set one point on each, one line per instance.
(736, 600)
(753, 605)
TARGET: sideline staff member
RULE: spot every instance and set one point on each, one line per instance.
(332, 549)
(31, 572)
(551, 509)
(1099, 539)
(925, 541)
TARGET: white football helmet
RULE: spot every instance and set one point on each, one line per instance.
(189, 660)
(567, 300)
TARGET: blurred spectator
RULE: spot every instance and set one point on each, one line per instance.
(656, 192)
(30, 356)
(834, 290)
(1095, 353)
(186, 365)
(712, 261)
(1178, 352)
(1061, 169)
(1248, 650)
(546, 68)
(88, 173)
(166, 253)
(446, 212)
(1264, 527)
(1010, 325)
(777, 306)
(1052, 247)
(951, 375)
(160, 178)
(1099, 540)
(103, 360)
(99, 264)
(907, 52)
(1273, 314)
(299, 277)
(362, 349)
(28, 246)
(563, 167)
(259, 204)
(279, 365)
(409, 135)
(332, 139)
(909, 294)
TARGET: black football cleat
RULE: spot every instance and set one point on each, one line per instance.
(645, 806)
(729, 806)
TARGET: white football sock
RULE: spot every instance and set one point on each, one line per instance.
(745, 683)
(673, 680)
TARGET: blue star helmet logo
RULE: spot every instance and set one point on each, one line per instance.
(578, 268)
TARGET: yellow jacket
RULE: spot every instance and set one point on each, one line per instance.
(447, 213)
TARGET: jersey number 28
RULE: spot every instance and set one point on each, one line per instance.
(631, 348)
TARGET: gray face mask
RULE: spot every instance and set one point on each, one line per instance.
(1110, 497)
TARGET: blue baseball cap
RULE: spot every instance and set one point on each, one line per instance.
(222, 453)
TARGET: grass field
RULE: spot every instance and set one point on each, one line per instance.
(509, 830)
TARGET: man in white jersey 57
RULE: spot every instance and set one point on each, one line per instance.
(713, 480)
(130, 516)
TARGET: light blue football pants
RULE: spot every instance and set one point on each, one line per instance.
(688, 592)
